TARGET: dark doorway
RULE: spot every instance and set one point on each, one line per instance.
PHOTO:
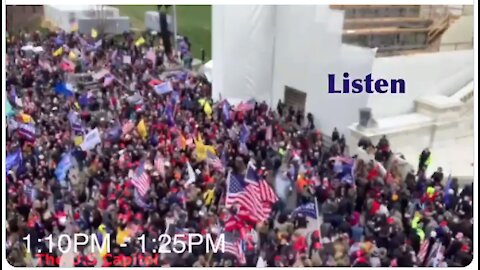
(295, 98)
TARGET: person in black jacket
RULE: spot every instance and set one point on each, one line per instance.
(335, 135)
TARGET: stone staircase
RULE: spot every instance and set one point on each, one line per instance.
(444, 123)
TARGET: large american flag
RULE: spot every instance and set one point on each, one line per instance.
(241, 193)
(422, 252)
(141, 180)
(258, 185)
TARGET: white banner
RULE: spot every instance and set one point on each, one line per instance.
(127, 59)
(102, 73)
(91, 140)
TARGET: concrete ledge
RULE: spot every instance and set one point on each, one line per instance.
(440, 103)
(395, 124)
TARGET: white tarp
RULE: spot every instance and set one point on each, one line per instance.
(258, 50)
(243, 41)
(91, 140)
(306, 51)
(208, 70)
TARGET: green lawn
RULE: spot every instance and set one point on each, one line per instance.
(195, 22)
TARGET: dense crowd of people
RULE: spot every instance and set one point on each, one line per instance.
(90, 118)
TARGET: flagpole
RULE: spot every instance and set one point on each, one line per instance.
(175, 30)
(317, 210)
(228, 184)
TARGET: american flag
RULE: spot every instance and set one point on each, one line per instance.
(182, 234)
(268, 133)
(123, 159)
(233, 223)
(226, 110)
(127, 127)
(241, 193)
(435, 253)
(422, 252)
(159, 165)
(267, 194)
(139, 201)
(141, 180)
(347, 160)
(27, 131)
(245, 106)
(233, 245)
(215, 162)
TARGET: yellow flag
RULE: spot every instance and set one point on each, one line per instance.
(26, 118)
(142, 129)
(210, 149)
(207, 109)
(103, 231)
(58, 52)
(72, 56)
(122, 235)
(139, 41)
(208, 196)
(74, 27)
(94, 33)
(202, 149)
(183, 142)
(78, 140)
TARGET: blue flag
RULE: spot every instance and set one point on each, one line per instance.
(163, 88)
(308, 210)
(115, 132)
(13, 160)
(83, 100)
(62, 168)
(175, 97)
(64, 89)
(226, 110)
(169, 113)
(244, 133)
(59, 41)
(448, 197)
(75, 122)
(223, 157)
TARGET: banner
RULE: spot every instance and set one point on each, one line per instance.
(127, 59)
(91, 140)
(63, 166)
(99, 75)
(13, 160)
(163, 88)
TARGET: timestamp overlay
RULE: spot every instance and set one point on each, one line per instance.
(180, 243)
(147, 248)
